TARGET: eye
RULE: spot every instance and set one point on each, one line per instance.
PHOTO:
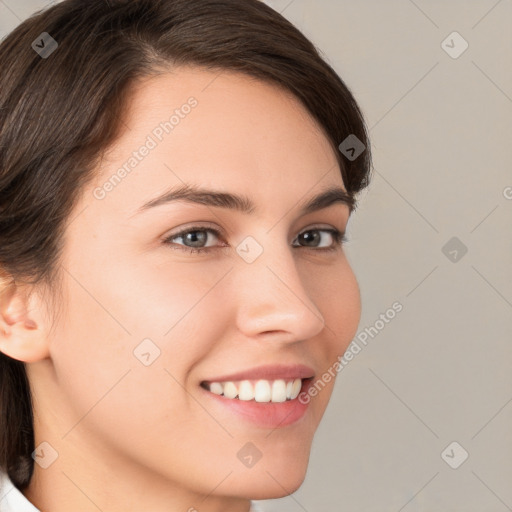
(313, 238)
(197, 236)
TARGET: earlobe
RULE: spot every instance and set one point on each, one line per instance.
(21, 336)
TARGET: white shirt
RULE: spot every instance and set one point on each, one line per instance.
(12, 500)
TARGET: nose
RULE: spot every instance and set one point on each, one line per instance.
(273, 301)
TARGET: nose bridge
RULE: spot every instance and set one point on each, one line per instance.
(272, 294)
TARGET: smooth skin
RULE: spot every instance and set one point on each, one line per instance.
(132, 437)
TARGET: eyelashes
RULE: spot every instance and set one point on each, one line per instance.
(339, 238)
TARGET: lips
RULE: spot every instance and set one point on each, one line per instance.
(268, 372)
(275, 403)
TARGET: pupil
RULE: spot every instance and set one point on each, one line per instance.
(192, 236)
(313, 235)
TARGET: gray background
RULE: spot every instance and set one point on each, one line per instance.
(440, 371)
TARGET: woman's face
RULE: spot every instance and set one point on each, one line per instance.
(145, 325)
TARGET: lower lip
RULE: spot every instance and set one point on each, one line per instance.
(266, 414)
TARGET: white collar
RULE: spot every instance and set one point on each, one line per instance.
(11, 498)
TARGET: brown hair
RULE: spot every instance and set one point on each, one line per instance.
(59, 112)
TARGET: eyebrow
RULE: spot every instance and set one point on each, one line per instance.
(242, 203)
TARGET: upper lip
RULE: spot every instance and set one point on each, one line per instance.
(269, 372)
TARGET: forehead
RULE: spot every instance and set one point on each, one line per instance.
(218, 128)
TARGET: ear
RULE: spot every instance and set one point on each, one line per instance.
(21, 333)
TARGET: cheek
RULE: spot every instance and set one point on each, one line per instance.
(155, 296)
(99, 346)
(108, 396)
(135, 330)
(336, 293)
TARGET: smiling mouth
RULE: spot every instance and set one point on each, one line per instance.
(263, 391)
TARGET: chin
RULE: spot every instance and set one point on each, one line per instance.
(275, 479)
(266, 488)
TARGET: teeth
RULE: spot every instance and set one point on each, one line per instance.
(296, 388)
(245, 391)
(262, 391)
(230, 390)
(279, 391)
(216, 388)
(289, 386)
(276, 391)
